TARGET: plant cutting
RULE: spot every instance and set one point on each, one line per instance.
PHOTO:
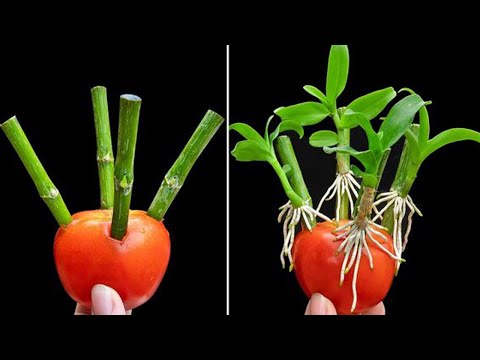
(125, 249)
(352, 257)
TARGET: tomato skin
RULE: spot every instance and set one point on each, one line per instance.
(86, 255)
(317, 268)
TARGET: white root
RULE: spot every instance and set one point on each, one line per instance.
(400, 207)
(355, 239)
(291, 216)
(344, 184)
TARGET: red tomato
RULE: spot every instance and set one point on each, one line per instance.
(317, 268)
(86, 255)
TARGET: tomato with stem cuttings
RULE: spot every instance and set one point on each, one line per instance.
(127, 250)
(133, 266)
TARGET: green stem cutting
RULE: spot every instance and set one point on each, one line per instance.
(47, 190)
(343, 167)
(105, 160)
(295, 177)
(123, 177)
(175, 177)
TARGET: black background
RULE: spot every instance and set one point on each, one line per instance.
(46, 84)
(442, 252)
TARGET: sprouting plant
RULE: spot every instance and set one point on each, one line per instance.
(345, 187)
(336, 246)
(418, 147)
(299, 205)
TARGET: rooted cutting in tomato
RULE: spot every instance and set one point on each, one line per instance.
(318, 265)
(352, 264)
(133, 266)
(114, 246)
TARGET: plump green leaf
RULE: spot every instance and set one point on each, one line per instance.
(399, 119)
(448, 137)
(286, 126)
(371, 105)
(323, 138)
(367, 158)
(248, 150)
(305, 114)
(312, 90)
(337, 74)
(348, 119)
(247, 132)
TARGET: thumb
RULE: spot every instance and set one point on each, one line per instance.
(320, 305)
(106, 301)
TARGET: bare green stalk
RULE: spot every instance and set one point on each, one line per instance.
(47, 190)
(343, 167)
(287, 156)
(105, 160)
(404, 178)
(175, 177)
(127, 139)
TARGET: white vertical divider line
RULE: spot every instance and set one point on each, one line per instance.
(228, 180)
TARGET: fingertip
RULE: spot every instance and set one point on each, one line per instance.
(106, 301)
(308, 310)
(320, 305)
(82, 310)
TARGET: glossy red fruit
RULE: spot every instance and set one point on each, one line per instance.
(317, 268)
(86, 255)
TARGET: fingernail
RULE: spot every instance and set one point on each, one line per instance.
(102, 301)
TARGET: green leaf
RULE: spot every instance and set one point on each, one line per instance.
(367, 158)
(374, 143)
(248, 150)
(286, 126)
(307, 113)
(312, 90)
(266, 129)
(323, 138)
(337, 73)
(248, 132)
(399, 119)
(371, 105)
(449, 137)
(348, 120)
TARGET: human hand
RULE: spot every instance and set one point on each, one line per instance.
(105, 301)
(320, 305)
